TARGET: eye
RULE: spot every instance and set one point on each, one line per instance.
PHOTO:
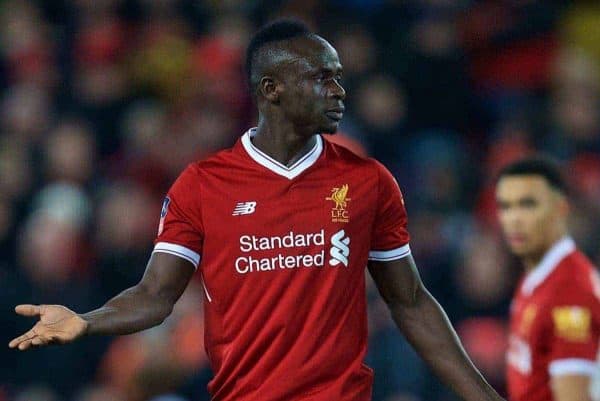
(328, 76)
(528, 203)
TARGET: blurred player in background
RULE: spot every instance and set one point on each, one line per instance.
(555, 313)
(595, 382)
(284, 223)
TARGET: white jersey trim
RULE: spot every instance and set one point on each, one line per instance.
(178, 250)
(268, 162)
(205, 289)
(393, 254)
(551, 259)
(572, 366)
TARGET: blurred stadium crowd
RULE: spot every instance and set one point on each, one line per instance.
(104, 102)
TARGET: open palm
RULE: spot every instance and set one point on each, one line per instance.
(57, 325)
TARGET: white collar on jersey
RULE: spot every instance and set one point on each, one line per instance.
(268, 162)
(551, 259)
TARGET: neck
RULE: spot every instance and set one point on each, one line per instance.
(532, 260)
(282, 141)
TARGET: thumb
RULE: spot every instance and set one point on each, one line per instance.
(28, 310)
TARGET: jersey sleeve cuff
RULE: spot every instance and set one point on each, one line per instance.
(392, 254)
(178, 250)
(572, 366)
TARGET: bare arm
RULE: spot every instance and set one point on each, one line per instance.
(571, 388)
(142, 306)
(148, 303)
(424, 323)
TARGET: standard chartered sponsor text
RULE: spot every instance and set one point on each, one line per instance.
(311, 254)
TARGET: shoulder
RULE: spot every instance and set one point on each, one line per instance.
(223, 160)
(341, 153)
(571, 305)
(576, 272)
(338, 150)
(194, 173)
(220, 159)
(576, 282)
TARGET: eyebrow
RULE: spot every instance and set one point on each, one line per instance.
(526, 198)
(338, 70)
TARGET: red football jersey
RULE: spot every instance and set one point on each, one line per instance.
(555, 323)
(282, 252)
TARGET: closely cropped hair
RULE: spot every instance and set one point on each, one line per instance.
(277, 30)
(541, 166)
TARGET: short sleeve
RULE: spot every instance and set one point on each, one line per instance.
(574, 333)
(180, 230)
(390, 237)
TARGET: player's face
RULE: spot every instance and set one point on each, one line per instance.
(530, 213)
(313, 98)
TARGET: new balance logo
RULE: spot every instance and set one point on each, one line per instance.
(244, 208)
(339, 251)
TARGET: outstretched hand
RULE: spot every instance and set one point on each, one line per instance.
(56, 325)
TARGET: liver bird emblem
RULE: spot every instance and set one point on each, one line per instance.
(338, 195)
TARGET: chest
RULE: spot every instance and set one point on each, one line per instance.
(286, 237)
(272, 206)
(525, 333)
(524, 316)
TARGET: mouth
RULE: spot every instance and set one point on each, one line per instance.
(335, 114)
(516, 239)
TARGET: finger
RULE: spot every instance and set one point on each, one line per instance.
(38, 341)
(27, 336)
(28, 310)
(25, 345)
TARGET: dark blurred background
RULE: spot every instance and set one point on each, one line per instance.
(104, 102)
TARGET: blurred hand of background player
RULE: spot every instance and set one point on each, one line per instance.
(57, 325)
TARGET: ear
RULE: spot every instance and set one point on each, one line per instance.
(269, 88)
(563, 205)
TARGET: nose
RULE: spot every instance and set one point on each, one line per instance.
(338, 91)
(513, 219)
